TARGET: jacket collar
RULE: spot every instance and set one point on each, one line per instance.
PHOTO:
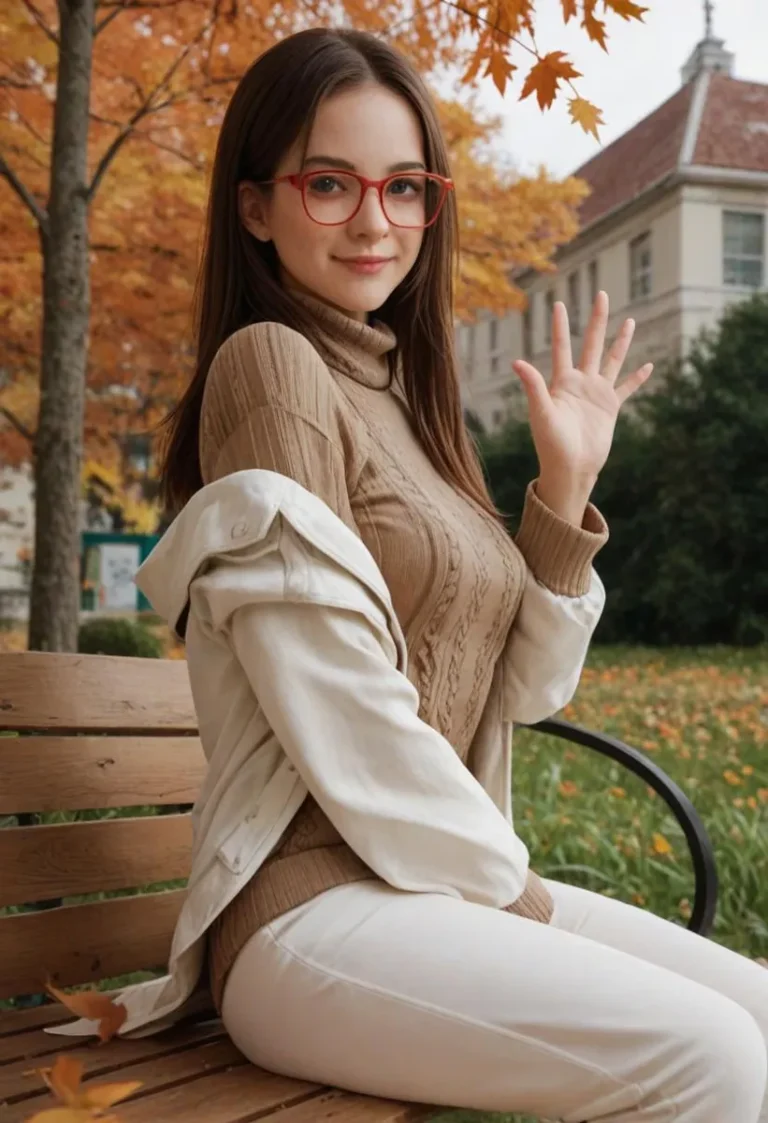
(238, 511)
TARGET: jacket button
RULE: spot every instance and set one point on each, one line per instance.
(239, 529)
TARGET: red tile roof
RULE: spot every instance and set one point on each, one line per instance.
(732, 133)
(637, 159)
(734, 125)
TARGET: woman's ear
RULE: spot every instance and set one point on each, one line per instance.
(252, 205)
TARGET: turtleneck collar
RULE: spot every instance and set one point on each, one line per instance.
(357, 349)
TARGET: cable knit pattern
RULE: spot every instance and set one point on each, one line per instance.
(336, 420)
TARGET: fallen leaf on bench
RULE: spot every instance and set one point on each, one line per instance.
(81, 1103)
(92, 1004)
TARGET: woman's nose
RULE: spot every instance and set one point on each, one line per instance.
(370, 219)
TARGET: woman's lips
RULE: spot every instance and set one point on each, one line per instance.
(368, 265)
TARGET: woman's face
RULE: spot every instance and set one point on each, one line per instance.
(353, 266)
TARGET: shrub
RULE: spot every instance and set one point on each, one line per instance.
(118, 636)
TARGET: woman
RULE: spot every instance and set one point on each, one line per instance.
(361, 632)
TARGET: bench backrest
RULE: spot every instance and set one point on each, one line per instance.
(93, 733)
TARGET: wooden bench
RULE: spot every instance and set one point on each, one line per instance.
(117, 734)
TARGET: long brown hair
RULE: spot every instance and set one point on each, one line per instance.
(274, 104)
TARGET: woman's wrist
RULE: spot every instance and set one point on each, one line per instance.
(566, 495)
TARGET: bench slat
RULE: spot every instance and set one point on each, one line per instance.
(40, 690)
(156, 1075)
(82, 773)
(244, 1093)
(14, 1022)
(84, 943)
(102, 1061)
(344, 1107)
(67, 859)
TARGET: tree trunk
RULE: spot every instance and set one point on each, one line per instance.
(55, 596)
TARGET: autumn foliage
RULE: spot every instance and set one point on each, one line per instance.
(163, 72)
(79, 1103)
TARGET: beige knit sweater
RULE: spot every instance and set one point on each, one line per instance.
(333, 421)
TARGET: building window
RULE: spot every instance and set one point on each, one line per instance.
(493, 345)
(640, 267)
(549, 308)
(743, 249)
(593, 281)
(528, 330)
(574, 302)
(469, 350)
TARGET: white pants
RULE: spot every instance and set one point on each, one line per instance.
(607, 1014)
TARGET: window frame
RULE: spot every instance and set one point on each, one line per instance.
(640, 278)
(743, 257)
(574, 301)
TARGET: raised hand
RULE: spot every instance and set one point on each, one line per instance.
(573, 419)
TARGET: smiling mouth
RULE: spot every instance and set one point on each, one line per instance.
(364, 260)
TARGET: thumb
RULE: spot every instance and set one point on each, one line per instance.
(535, 387)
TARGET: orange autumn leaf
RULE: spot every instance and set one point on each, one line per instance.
(569, 9)
(500, 69)
(81, 1103)
(595, 29)
(94, 1005)
(545, 76)
(586, 115)
(627, 9)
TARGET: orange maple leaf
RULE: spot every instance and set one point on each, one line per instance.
(545, 76)
(92, 1004)
(627, 9)
(569, 9)
(595, 29)
(81, 1104)
(586, 114)
(500, 69)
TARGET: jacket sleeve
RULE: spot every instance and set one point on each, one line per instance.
(346, 716)
(562, 602)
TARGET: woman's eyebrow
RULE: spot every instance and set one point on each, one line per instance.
(337, 162)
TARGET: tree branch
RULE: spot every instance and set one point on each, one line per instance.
(38, 213)
(133, 6)
(148, 107)
(37, 17)
(19, 426)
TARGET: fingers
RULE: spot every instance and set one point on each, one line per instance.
(562, 358)
(633, 382)
(535, 386)
(618, 351)
(594, 336)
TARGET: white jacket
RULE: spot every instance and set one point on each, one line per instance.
(298, 671)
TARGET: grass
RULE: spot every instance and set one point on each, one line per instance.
(703, 716)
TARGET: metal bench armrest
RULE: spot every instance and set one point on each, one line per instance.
(699, 843)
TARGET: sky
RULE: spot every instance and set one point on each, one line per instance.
(641, 70)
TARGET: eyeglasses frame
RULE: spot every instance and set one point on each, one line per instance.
(299, 181)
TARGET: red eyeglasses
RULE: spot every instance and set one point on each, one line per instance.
(410, 200)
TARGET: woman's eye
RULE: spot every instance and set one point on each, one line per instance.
(405, 187)
(325, 184)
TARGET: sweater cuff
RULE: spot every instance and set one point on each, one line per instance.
(559, 554)
(535, 902)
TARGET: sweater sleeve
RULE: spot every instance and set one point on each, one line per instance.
(557, 553)
(270, 402)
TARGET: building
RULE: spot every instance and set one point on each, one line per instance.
(674, 230)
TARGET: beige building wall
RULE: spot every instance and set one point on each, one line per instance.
(684, 226)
